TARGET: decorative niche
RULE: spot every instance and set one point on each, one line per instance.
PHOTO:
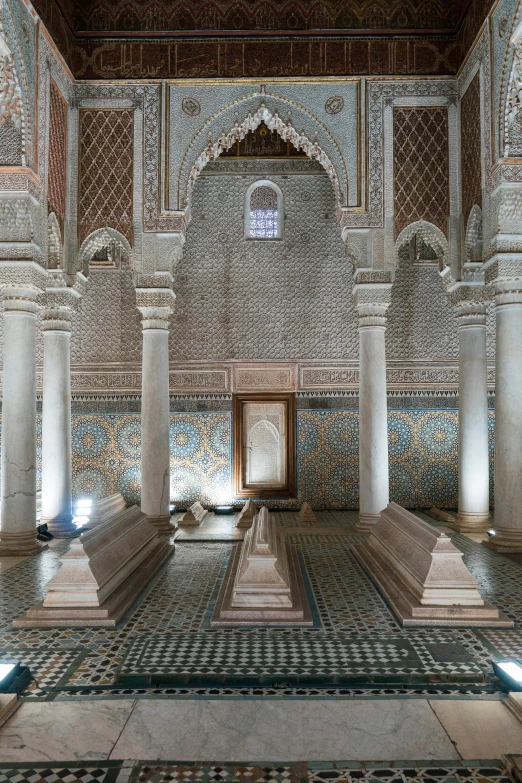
(264, 445)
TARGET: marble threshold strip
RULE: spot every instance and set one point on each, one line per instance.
(269, 730)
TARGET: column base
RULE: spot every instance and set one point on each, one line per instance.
(505, 540)
(61, 527)
(470, 523)
(20, 544)
(366, 522)
(162, 524)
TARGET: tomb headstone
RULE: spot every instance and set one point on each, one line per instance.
(422, 576)
(102, 574)
(103, 509)
(263, 584)
(246, 517)
(306, 514)
(194, 515)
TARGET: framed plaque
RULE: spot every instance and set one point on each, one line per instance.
(264, 445)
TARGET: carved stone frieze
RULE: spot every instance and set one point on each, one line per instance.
(311, 378)
(272, 377)
(194, 380)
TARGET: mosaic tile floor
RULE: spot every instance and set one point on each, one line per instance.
(359, 641)
(490, 771)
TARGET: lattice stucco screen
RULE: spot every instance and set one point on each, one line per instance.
(106, 176)
(471, 148)
(421, 179)
(57, 154)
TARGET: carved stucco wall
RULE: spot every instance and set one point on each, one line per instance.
(273, 300)
(106, 327)
(263, 299)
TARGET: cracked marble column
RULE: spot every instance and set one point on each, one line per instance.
(155, 308)
(508, 416)
(372, 292)
(18, 504)
(56, 419)
(473, 513)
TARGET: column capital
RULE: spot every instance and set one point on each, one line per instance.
(471, 313)
(19, 298)
(20, 284)
(504, 276)
(372, 296)
(156, 305)
(59, 301)
(508, 292)
(471, 303)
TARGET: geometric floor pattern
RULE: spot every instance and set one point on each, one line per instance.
(165, 640)
(269, 658)
(300, 772)
(38, 773)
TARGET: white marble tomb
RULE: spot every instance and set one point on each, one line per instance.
(194, 515)
(263, 584)
(306, 514)
(246, 517)
(102, 574)
(103, 509)
(422, 576)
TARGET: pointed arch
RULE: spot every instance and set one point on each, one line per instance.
(473, 242)
(202, 149)
(513, 110)
(427, 233)
(510, 115)
(13, 117)
(105, 238)
(54, 243)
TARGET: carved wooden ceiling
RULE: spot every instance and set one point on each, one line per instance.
(265, 38)
(294, 16)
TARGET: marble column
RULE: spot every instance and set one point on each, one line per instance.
(56, 422)
(18, 504)
(372, 301)
(473, 514)
(508, 417)
(155, 411)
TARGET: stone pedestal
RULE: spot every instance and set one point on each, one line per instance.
(508, 418)
(56, 422)
(102, 574)
(248, 513)
(18, 505)
(372, 293)
(473, 513)
(421, 575)
(155, 308)
(263, 584)
(104, 509)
